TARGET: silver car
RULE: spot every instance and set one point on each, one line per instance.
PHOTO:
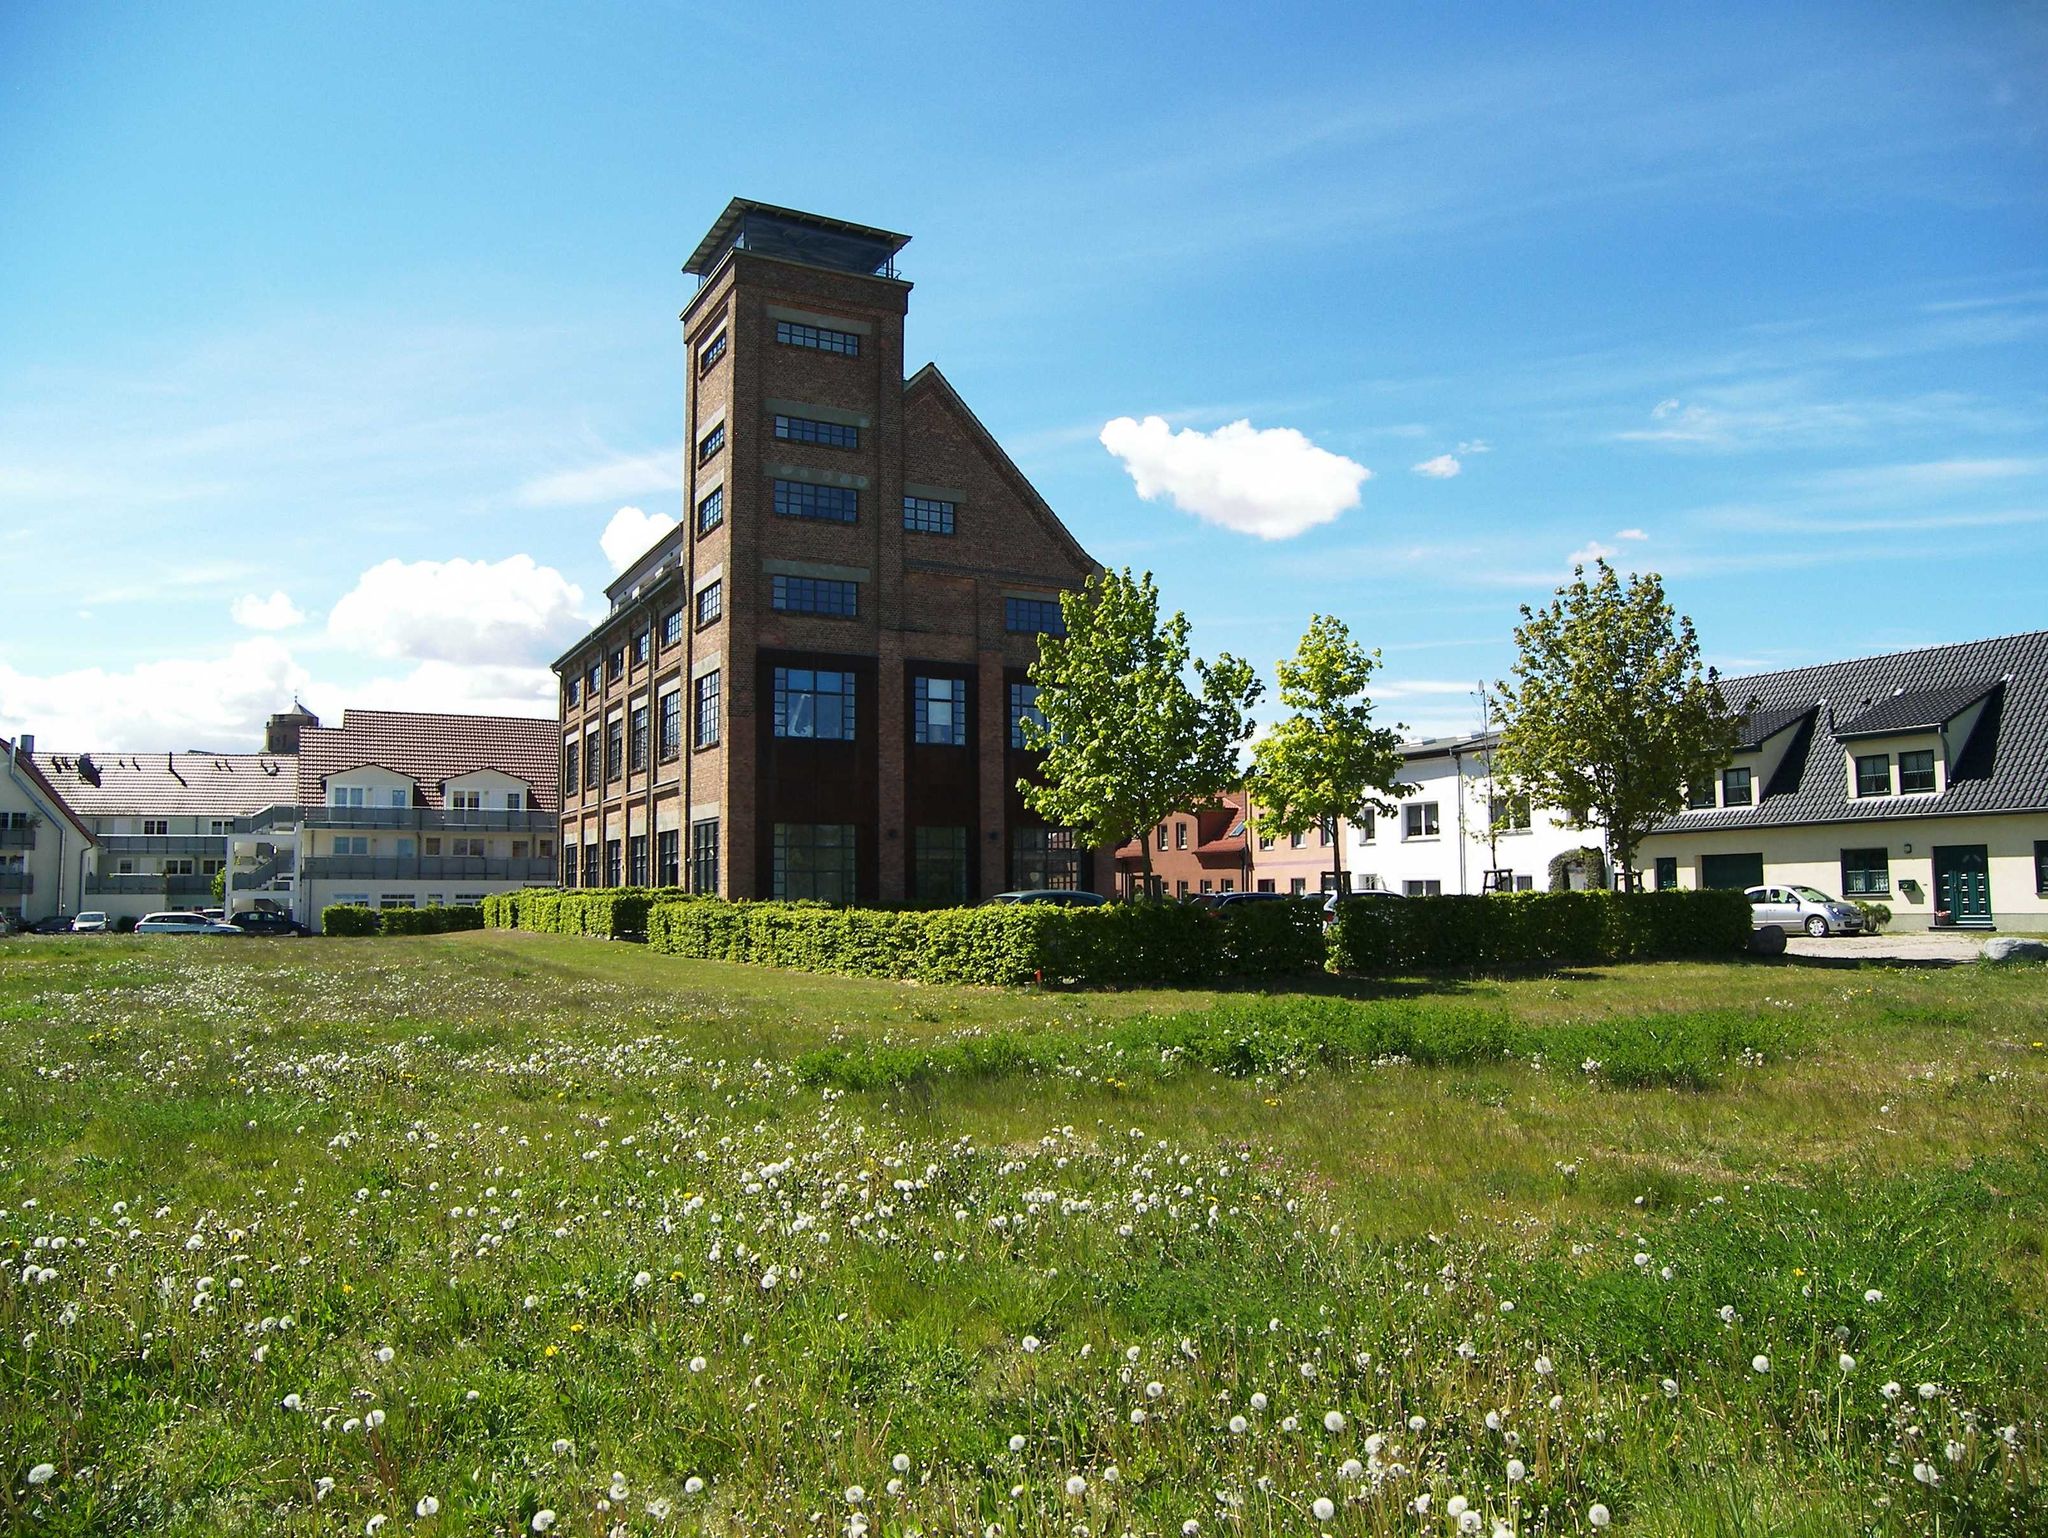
(1802, 907)
(183, 924)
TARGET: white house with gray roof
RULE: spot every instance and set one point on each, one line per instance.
(1917, 779)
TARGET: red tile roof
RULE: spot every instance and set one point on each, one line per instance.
(27, 765)
(431, 748)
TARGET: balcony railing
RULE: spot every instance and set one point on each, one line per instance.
(426, 867)
(18, 838)
(147, 884)
(402, 819)
(17, 881)
(162, 843)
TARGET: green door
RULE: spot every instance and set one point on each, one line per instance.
(1731, 872)
(1962, 883)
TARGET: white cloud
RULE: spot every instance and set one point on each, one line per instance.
(495, 613)
(1630, 534)
(1271, 482)
(1475, 446)
(1441, 468)
(633, 475)
(487, 690)
(1590, 552)
(277, 612)
(630, 533)
(216, 702)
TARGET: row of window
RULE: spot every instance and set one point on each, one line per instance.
(623, 746)
(1874, 774)
(791, 334)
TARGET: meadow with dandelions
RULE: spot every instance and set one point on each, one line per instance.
(514, 1234)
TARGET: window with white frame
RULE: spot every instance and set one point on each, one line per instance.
(1419, 820)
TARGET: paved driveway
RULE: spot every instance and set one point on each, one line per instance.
(1923, 946)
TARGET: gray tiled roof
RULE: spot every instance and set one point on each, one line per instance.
(1760, 726)
(2003, 767)
(170, 784)
(1915, 710)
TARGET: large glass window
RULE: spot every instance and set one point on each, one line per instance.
(939, 867)
(711, 510)
(1044, 859)
(668, 860)
(814, 702)
(710, 603)
(927, 515)
(1916, 773)
(815, 595)
(814, 861)
(1034, 614)
(1737, 787)
(1866, 873)
(818, 338)
(833, 435)
(827, 504)
(1873, 774)
(707, 725)
(941, 710)
(671, 724)
(704, 857)
(1023, 707)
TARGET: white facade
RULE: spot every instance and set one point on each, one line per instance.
(43, 852)
(1443, 839)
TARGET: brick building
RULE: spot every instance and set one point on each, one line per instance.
(1193, 852)
(810, 689)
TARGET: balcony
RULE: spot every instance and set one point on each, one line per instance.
(147, 884)
(428, 867)
(18, 838)
(399, 819)
(17, 881)
(162, 843)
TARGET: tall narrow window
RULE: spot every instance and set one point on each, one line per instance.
(711, 510)
(672, 628)
(939, 867)
(814, 702)
(671, 724)
(636, 750)
(591, 763)
(636, 860)
(1737, 787)
(704, 857)
(1023, 707)
(592, 875)
(710, 603)
(571, 761)
(614, 750)
(707, 725)
(614, 865)
(668, 859)
(940, 706)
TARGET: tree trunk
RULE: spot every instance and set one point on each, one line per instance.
(1145, 856)
(1337, 857)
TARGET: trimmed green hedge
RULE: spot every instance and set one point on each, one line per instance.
(356, 919)
(1530, 929)
(610, 913)
(1112, 945)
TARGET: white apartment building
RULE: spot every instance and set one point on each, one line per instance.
(45, 849)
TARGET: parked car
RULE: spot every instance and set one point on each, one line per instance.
(1048, 895)
(263, 921)
(1223, 902)
(91, 922)
(55, 924)
(1802, 907)
(1370, 893)
(183, 924)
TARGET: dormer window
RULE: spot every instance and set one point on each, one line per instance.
(1737, 787)
(1700, 797)
(1873, 774)
(1916, 773)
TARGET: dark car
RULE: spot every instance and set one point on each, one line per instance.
(1223, 902)
(259, 921)
(55, 924)
(1048, 895)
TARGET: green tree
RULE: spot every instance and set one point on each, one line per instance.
(1611, 713)
(1126, 738)
(220, 885)
(1327, 761)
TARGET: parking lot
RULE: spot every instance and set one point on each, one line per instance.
(1923, 946)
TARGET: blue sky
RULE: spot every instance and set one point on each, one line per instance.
(374, 308)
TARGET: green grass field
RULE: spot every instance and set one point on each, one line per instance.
(504, 1233)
